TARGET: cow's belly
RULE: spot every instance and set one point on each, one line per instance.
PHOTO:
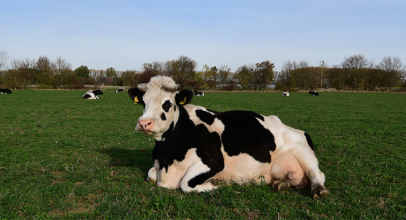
(243, 169)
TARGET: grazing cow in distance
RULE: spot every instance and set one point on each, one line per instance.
(119, 90)
(197, 93)
(92, 94)
(285, 93)
(196, 148)
(5, 91)
(313, 93)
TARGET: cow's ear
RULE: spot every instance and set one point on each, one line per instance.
(184, 97)
(136, 95)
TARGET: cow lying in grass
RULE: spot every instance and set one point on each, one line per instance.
(198, 93)
(197, 148)
(5, 91)
(285, 94)
(92, 94)
(118, 90)
(313, 93)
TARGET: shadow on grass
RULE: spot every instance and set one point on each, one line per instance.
(139, 158)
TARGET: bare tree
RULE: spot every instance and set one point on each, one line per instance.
(224, 75)
(183, 70)
(61, 66)
(285, 76)
(301, 74)
(323, 66)
(3, 59)
(392, 70)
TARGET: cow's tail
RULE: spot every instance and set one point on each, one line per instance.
(309, 140)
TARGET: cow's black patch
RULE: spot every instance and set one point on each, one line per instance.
(167, 105)
(177, 140)
(309, 140)
(86, 96)
(163, 116)
(244, 134)
(205, 116)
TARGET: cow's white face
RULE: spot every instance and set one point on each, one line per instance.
(161, 108)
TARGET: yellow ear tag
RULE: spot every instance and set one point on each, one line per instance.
(135, 100)
(183, 101)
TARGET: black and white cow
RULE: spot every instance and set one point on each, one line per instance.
(92, 94)
(197, 93)
(285, 93)
(5, 91)
(313, 93)
(197, 148)
(118, 90)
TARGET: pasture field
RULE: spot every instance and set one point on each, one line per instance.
(65, 157)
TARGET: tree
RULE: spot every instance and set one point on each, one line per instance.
(45, 75)
(337, 77)
(183, 70)
(300, 74)
(111, 72)
(82, 72)
(156, 68)
(355, 69)
(284, 79)
(392, 71)
(264, 74)
(130, 78)
(323, 66)
(63, 73)
(3, 59)
(224, 75)
(245, 76)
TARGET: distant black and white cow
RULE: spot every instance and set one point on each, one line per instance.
(313, 93)
(5, 91)
(92, 94)
(197, 148)
(118, 90)
(285, 93)
(197, 93)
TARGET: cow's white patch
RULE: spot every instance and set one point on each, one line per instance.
(243, 169)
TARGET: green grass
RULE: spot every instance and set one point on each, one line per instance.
(65, 157)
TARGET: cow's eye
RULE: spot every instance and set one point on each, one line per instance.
(166, 106)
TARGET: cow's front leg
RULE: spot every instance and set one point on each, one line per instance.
(153, 173)
(198, 177)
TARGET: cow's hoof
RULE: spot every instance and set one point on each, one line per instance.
(151, 180)
(282, 186)
(319, 192)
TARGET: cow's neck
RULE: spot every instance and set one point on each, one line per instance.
(175, 141)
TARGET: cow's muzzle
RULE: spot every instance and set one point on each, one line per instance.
(145, 124)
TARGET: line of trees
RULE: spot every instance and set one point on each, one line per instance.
(354, 73)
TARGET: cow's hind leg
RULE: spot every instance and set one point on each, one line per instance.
(310, 165)
(198, 177)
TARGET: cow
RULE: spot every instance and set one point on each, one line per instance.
(118, 90)
(196, 148)
(197, 93)
(5, 91)
(92, 94)
(313, 93)
(285, 93)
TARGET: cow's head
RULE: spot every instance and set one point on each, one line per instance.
(161, 102)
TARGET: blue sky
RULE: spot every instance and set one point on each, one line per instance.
(126, 34)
